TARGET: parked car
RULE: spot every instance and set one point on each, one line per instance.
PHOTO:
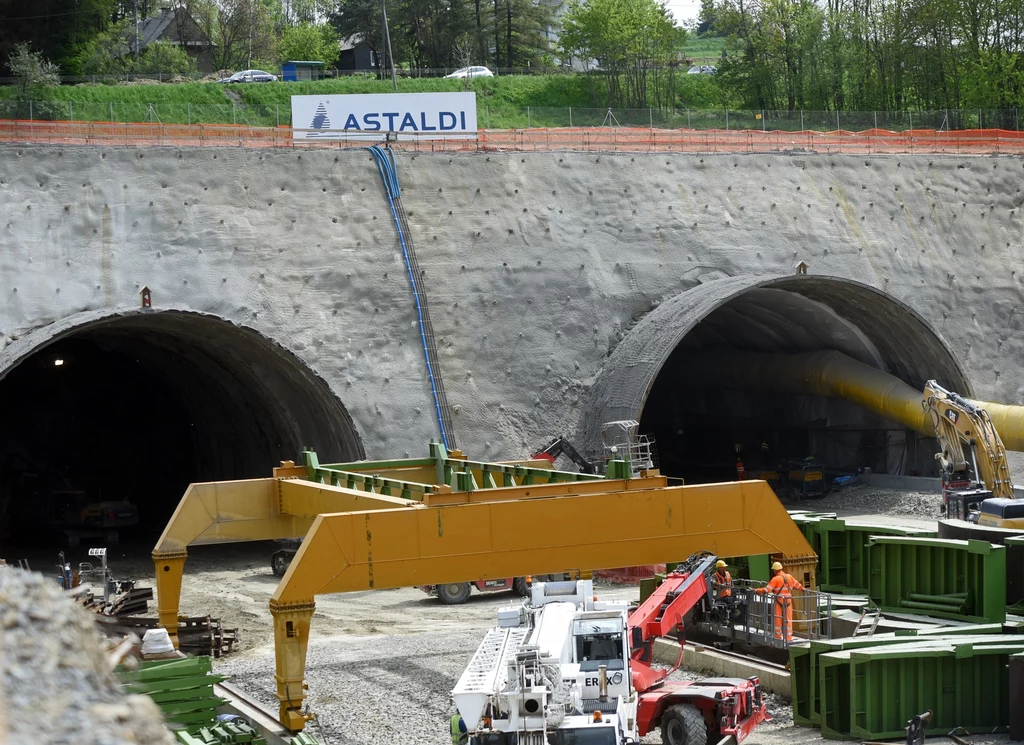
(471, 72)
(250, 76)
(702, 70)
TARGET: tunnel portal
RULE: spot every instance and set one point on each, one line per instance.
(137, 406)
(702, 424)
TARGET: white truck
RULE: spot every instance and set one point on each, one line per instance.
(555, 670)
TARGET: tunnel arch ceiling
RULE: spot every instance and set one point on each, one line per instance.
(649, 376)
(146, 401)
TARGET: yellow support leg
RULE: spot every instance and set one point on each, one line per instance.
(169, 565)
(291, 636)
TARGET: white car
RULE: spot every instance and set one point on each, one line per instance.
(702, 70)
(471, 72)
(250, 76)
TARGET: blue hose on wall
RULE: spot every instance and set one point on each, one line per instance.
(386, 165)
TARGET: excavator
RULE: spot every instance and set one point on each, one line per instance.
(976, 483)
(565, 668)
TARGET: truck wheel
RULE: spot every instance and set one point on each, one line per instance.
(455, 593)
(683, 724)
(279, 561)
(520, 586)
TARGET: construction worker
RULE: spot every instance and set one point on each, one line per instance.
(459, 734)
(781, 587)
(741, 471)
(722, 580)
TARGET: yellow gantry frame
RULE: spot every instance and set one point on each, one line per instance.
(355, 540)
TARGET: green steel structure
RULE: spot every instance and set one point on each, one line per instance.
(804, 660)
(961, 580)
(871, 693)
(384, 477)
(182, 689)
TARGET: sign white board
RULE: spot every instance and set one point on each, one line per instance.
(372, 115)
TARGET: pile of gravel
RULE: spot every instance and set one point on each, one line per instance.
(864, 499)
(56, 684)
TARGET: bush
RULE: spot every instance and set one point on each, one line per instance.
(164, 57)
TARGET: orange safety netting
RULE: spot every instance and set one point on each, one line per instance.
(596, 139)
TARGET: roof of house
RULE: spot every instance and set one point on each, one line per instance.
(351, 42)
(153, 28)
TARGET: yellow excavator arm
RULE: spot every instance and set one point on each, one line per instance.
(968, 440)
(472, 521)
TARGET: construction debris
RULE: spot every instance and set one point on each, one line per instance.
(198, 636)
(55, 674)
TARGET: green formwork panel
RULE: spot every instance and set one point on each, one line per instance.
(834, 697)
(936, 566)
(964, 686)
(842, 552)
(802, 688)
(803, 659)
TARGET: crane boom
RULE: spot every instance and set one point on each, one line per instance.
(971, 449)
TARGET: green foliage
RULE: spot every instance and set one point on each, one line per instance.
(110, 52)
(164, 57)
(889, 55)
(632, 40)
(310, 43)
(33, 73)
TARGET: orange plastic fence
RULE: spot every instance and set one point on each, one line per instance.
(597, 139)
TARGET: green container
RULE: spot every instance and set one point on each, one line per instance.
(936, 566)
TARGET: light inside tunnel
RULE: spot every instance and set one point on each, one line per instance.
(138, 406)
(703, 423)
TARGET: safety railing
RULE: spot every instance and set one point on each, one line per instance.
(580, 139)
(768, 619)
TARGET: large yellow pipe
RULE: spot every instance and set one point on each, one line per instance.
(832, 373)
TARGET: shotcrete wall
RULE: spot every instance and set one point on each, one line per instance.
(537, 265)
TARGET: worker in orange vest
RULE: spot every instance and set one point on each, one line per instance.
(741, 471)
(722, 580)
(781, 587)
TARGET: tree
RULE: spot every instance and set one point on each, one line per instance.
(32, 72)
(308, 42)
(632, 40)
(164, 57)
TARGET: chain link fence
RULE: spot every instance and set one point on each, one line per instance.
(534, 117)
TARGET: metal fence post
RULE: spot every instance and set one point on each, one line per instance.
(911, 115)
(277, 109)
(30, 111)
(727, 120)
(837, 121)
(233, 121)
(762, 121)
(688, 119)
(650, 114)
(570, 117)
(487, 115)
(876, 119)
(111, 112)
(981, 125)
(189, 106)
(528, 122)
(71, 111)
(801, 120)
(1016, 118)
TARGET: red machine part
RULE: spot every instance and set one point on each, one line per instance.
(730, 706)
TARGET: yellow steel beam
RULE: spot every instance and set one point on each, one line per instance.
(491, 540)
(545, 491)
(250, 510)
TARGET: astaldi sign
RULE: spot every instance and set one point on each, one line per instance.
(373, 115)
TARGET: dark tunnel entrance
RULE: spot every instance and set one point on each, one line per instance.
(137, 406)
(702, 423)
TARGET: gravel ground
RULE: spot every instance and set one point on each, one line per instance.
(56, 685)
(869, 501)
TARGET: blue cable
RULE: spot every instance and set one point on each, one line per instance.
(389, 174)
